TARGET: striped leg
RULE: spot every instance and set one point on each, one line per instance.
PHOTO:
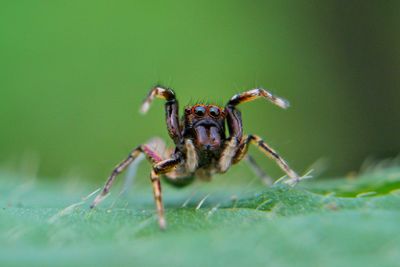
(161, 168)
(257, 93)
(151, 155)
(234, 121)
(155, 182)
(171, 110)
(267, 150)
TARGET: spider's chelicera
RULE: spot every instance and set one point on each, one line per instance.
(202, 147)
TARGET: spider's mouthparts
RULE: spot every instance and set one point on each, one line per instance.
(207, 138)
(207, 147)
(206, 123)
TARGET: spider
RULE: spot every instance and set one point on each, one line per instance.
(202, 147)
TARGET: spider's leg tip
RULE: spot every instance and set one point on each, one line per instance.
(93, 205)
(144, 108)
(283, 103)
(162, 223)
(293, 181)
(99, 198)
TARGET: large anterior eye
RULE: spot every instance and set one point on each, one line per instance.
(214, 111)
(200, 111)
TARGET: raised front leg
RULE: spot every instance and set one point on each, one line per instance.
(234, 121)
(233, 115)
(255, 94)
(235, 128)
(171, 110)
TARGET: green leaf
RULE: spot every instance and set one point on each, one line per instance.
(341, 222)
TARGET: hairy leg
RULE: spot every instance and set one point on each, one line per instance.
(233, 115)
(255, 94)
(155, 182)
(234, 121)
(151, 156)
(171, 110)
(267, 150)
(158, 147)
(159, 168)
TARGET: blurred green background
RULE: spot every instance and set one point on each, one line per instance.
(73, 75)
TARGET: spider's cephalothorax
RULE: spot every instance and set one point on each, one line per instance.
(204, 127)
(202, 146)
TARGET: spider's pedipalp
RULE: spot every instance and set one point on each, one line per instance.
(192, 159)
(228, 154)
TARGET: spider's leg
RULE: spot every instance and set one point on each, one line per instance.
(233, 115)
(158, 148)
(151, 155)
(235, 127)
(161, 167)
(242, 154)
(171, 110)
(271, 153)
(257, 93)
(265, 178)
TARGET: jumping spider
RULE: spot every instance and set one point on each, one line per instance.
(201, 146)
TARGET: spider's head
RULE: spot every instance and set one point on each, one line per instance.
(205, 124)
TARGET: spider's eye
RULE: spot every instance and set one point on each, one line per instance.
(214, 111)
(200, 111)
